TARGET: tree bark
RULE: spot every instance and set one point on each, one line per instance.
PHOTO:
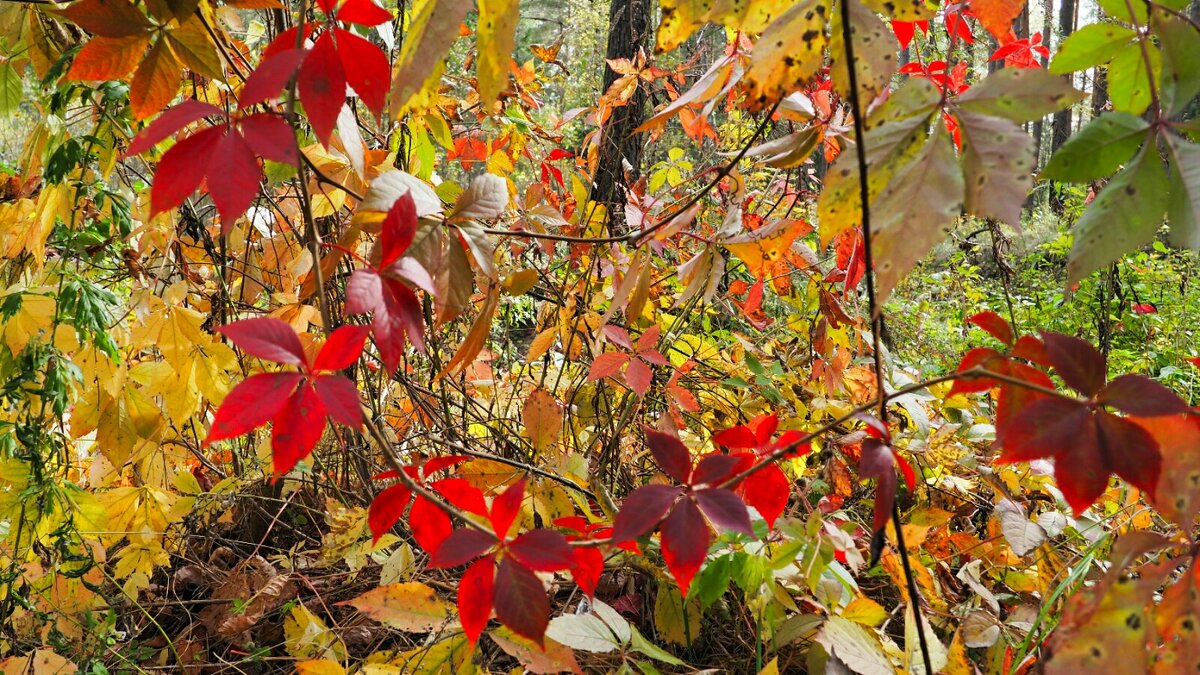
(628, 31)
(1062, 119)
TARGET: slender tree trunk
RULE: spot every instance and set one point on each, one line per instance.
(620, 156)
(1062, 118)
(1039, 126)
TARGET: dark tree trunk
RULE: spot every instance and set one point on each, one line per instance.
(1099, 92)
(1039, 126)
(628, 31)
(1062, 119)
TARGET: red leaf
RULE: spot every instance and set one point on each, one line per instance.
(607, 365)
(996, 326)
(586, 568)
(878, 462)
(714, 468)
(342, 348)
(739, 438)
(767, 490)
(521, 602)
(979, 356)
(648, 340)
(685, 539)
(366, 67)
(250, 404)
(1032, 349)
(438, 463)
(236, 176)
(340, 398)
(1087, 445)
(297, 429)
(1076, 361)
(642, 510)
(505, 508)
(725, 509)
(387, 508)
(462, 546)
(267, 338)
(1144, 308)
(169, 123)
(363, 13)
(542, 550)
(285, 41)
(322, 87)
(1195, 361)
(272, 74)
(462, 494)
(430, 525)
(1141, 396)
(670, 453)
(475, 594)
(270, 138)
(638, 376)
(396, 309)
(398, 230)
(178, 173)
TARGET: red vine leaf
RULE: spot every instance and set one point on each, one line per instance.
(685, 539)
(476, 591)
(521, 602)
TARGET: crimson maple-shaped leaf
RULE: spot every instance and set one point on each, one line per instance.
(382, 290)
(297, 403)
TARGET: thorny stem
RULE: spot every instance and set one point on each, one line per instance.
(874, 312)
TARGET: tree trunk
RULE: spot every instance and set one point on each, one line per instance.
(1062, 119)
(628, 31)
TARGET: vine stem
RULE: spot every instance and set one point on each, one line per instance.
(875, 312)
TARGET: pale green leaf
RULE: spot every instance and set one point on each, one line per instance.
(855, 646)
(1180, 80)
(1129, 85)
(1129, 11)
(1089, 46)
(645, 647)
(1183, 205)
(1098, 149)
(11, 89)
(1126, 215)
(1020, 94)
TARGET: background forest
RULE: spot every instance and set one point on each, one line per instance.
(454, 336)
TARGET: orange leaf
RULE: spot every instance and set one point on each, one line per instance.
(156, 81)
(997, 17)
(108, 58)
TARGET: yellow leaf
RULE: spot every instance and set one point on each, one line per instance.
(306, 635)
(495, 38)
(445, 657)
(33, 318)
(670, 619)
(771, 668)
(320, 667)
(681, 18)
(476, 337)
(865, 611)
(789, 53)
(410, 606)
(433, 28)
(194, 46)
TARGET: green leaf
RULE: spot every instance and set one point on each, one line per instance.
(916, 211)
(998, 164)
(1126, 215)
(11, 89)
(1129, 11)
(1128, 80)
(1180, 80)
(1098, 149)
(645, 647)
(1090, 46)
(1020, 94)
(1183, 205)
(714, 580)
